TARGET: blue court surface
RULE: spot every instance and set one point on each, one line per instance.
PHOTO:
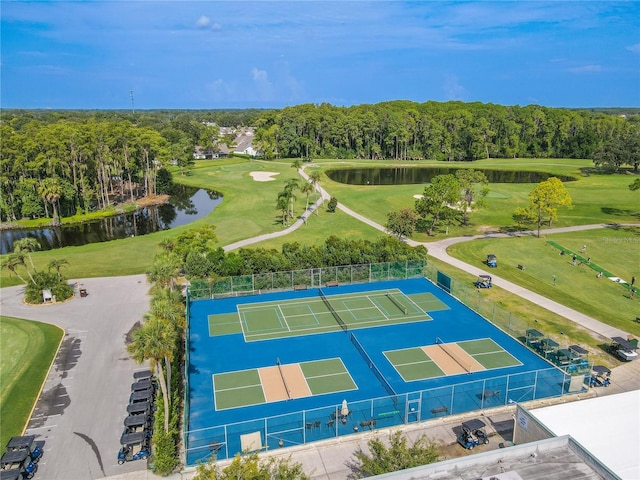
(382, 398)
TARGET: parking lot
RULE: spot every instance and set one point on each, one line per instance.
(83, 403)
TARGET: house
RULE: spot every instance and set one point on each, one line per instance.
(242, 144)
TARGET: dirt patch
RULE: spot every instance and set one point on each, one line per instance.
(155, 200)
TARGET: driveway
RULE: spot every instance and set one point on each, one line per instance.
(83, 402)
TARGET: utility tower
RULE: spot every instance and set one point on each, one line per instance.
(133, 108)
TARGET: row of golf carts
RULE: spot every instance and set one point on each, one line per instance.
(138, 425)
(21, 458)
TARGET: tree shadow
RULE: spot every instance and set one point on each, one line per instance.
(619, 212)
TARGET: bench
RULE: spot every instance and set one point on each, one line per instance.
(369, 423)
(435, 411)
(299, 287)
(520, 267)
(333, 283)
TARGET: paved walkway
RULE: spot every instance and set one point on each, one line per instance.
(96, 328)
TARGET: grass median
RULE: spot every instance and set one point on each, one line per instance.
(27, 349)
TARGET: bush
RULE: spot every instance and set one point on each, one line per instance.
(249, 466)
(331, 206)
(165, 453)
(397, 456)
(58, 285)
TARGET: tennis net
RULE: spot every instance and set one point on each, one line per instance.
(333, 312)
(286, 387)
(452, 354)
(402, 308)
(385, 383)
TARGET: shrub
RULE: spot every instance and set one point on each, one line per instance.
(47, 281)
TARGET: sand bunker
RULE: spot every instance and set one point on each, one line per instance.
(263, 176)
(418, 196)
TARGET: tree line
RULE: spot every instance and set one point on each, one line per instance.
(65, 163)
(451, 131)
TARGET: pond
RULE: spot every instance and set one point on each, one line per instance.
(186, 205)
(416, 175)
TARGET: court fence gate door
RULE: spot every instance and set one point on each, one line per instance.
(413, 408)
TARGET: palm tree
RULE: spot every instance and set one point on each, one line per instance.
(290, 185)
(167, 306)
(164, 269)
(307, 188)
(297, 164)
(12, 262)
(283, 205)
(51, 191)
(27, 246)
(57, 265)
(314, 178)
(155, 341)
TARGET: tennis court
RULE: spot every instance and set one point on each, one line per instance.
(269, 320)
(291, 367)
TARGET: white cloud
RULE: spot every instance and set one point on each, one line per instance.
(586, 69)
(203, 22)
(634, 48)
(453, 90)
(259, 76)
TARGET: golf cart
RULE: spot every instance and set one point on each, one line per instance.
(10, 474)
(138, 423)
(492, 261)
(28, 443)
(623, 349)
(466, 439)
(141, 396)
(484, 281)
(135, 446)
(600, 376)
(145, 384)
(476, 427)
(20, 461)
(472, 434)
(139, 408)
(142, 375)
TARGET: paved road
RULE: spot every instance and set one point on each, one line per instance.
(83, 402)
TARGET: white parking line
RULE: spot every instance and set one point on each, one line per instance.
(40, 428)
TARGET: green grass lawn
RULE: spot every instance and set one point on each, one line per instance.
(616, 250)
(596, 197)
(26, 351)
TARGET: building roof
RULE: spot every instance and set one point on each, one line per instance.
(558, 458)
(608, 427)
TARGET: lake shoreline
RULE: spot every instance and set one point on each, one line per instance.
(119, 209)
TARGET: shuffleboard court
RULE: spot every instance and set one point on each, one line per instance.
(443, 359)
(280, 382)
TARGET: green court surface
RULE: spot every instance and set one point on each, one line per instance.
(286, 318)
(243, 388)
(489, 354)
(414, 364)
(428, 302)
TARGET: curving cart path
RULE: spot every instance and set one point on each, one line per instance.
(438, 249)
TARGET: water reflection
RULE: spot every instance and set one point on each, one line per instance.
(186, 205)
(416, 175)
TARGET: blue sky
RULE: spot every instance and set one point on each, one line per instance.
(264, 54)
